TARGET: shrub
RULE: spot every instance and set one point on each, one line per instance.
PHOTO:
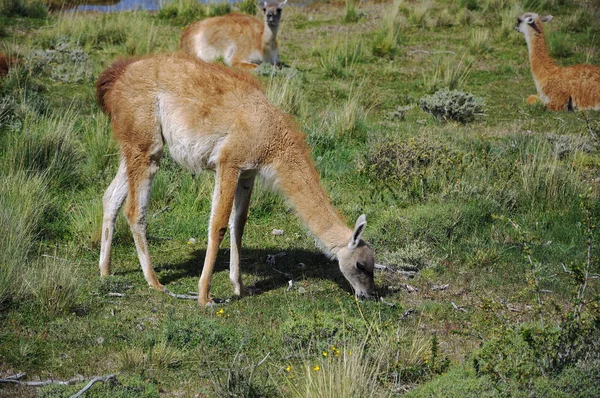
(453, 105)
(404, 161)
(448, 72)
(352, 13)
(241, 381)
(23, 8)
(248, 7)
(54, 285)
(63, 63)
(387, 36)
(182, 12)
(348, 372)
(23, 200)
(215, 10)
(414, 256)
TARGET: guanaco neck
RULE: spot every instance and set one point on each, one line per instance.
(541, 63)
(298, 178)
(269, 35)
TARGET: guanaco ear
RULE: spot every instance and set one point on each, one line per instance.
(281, 5)
(264, 7)
(547, 18)
(359, 230)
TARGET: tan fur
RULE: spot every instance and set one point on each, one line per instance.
(214, 118)
(6, 62)
(242, 41)
(569, 87)
(533, 99)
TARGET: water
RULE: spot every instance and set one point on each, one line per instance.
(129, 5)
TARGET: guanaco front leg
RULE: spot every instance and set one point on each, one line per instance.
(112, 201)
(226, 179)
(237, 222)
(141, 169)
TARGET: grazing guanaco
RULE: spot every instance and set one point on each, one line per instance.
(242, 41)
(569, 87)
(215, 118)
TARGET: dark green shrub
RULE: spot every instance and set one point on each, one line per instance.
(453, 105)
(182, 13)
(215, 10)
(413, 163)
(353, 14)
(23, 8)
(248, 7)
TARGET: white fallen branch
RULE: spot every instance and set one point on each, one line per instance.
(290, 285)
(113, 294)
(408, 274)
(431, 52)
(96, 379)
(408, 313)
(409, 288)
(441, 287)
(457, 308)
(15, 379)
(160, 211)
(180, 296)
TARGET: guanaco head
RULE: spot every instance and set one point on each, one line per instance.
(273, 13)
(357, 262)
(529, 22)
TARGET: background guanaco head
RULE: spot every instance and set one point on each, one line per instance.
(531, 21)
(273, 13)
(357, 262)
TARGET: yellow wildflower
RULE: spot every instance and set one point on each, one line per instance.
(316, 368)
(289, 368)
(325, 353)
(220, 312)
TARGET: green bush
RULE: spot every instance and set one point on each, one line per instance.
(23, 8)
(23, 200)
(453, 105)
(248, 7)
(412, 161)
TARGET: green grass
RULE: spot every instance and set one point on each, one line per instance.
(441, 199)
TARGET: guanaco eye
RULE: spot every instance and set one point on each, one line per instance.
(364, 268)
(529, 20)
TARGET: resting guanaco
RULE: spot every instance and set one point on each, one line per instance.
(568, 87)
(242, 41)
(215, 118)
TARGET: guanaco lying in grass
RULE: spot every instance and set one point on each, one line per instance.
(568, 87)
(242, 41)
(215, 118)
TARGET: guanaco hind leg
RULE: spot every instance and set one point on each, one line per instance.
(226, 179)
(237, 222)
(112, 201)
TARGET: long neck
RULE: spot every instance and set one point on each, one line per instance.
(299, 180)
(269, 34)
(541, 63)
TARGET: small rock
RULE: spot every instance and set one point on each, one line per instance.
(278, 232)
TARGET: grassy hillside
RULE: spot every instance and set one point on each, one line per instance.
(485, 229)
